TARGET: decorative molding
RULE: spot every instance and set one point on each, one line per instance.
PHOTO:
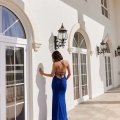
(71, 49)
(36, 46)
(82, 24)
(91, 53)
(108, 40)
(80, 27)
(20, 8)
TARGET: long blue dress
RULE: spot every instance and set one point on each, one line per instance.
(58, 100)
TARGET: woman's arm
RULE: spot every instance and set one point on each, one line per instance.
(69, 71)
(48, 75)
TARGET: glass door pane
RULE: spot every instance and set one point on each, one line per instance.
(75, 76)
(14, 83)
(108, 71)
(84, 74)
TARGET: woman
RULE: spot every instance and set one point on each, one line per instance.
(59, 85)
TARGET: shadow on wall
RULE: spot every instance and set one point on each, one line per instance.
(41, 81)
(51, 43)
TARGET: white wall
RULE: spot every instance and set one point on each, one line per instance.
(49, 15)
(117, 13)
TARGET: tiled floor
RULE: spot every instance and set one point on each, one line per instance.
(104, 107)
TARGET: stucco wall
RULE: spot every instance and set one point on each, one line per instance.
(117, 13)
(48, 17)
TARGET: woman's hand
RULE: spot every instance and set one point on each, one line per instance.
(41, 71)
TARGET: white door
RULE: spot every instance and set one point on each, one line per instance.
(108, 71)
(12, 79)
(80, 76)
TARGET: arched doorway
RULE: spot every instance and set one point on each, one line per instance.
(12, 66)
(80, 68)
(108, 69)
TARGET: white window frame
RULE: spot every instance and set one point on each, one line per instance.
(109, 86)
(6, 40)
(82, 98)
(102, 5)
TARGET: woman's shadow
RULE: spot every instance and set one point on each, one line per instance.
(41, 81)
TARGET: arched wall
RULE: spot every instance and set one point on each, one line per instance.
(19, 8)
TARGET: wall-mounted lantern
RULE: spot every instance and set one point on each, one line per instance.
(60, 40)
(117, 52)
(102, 49)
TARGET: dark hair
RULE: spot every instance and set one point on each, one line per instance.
(56, 55)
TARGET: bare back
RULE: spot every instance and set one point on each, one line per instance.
(60, 68)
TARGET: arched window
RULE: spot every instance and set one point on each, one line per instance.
(79, 41)
(79, 59)
(10, 24)
(108, 69)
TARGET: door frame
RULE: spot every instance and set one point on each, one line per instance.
(111, 86)
(11, 41)
(81, 99)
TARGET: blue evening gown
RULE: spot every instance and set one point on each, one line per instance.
(58, 100)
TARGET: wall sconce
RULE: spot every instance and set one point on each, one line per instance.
(117, 52)
(102, 49)
(60, 40)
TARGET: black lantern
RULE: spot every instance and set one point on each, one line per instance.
(60, 40)
(117, 52)
(102, 49)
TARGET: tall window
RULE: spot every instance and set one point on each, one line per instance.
(79, 66)
(108, 67)
(10, 24)
(104, 7)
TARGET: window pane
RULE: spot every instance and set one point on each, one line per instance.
(108, 59)
(9, 78)
(9, 55)
(19, 93)
(10, 113)
(108, 48)
(102, 10)
(106, 75)
(84, 79)
(74, 93)
(79, 41)
(9, 68)
(11, 25)
(83, 58)
(109, 67)
(102, 2)
(77, 93)
(76, 81)
(109, 74)
(106, 13)
(75, 69)
(110, 81)
(19, 55)
(105, 67)
(10, 95)
(75, 58)
(83, 69)
(106, 82)
(105, 3)
(84, 90)
(20, 112)
(75, 40)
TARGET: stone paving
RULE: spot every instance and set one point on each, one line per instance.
(103, 107)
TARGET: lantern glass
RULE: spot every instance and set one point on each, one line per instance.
(118, 50)
(103, 46)
(59, 36)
